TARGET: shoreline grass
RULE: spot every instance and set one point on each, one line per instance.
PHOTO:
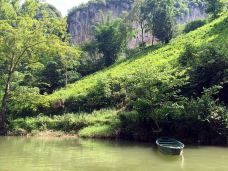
(103, 123)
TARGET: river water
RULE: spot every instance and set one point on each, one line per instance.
(58, 154)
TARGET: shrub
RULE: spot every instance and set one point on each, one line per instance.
(194, 25)
(208, 67)
(26, 101)
(66, 122)
(189, 56)
(99, 131)
(129, 121)
(174, 115)
(107, 93)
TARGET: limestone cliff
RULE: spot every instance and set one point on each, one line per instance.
(81, 19)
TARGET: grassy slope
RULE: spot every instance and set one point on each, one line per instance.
(105, 123)
(163, 57)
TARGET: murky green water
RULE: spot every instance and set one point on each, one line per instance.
(42, 154)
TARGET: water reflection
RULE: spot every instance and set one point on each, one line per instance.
(182, 161)
(174, 159)
(48, 154)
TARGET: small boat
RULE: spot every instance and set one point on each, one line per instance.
(170, 146)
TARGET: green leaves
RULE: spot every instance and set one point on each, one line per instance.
(152, 72)
(160, 18)
(26, 44)
(8, 10)
(194, 25)
(111, 38)
(214, 7)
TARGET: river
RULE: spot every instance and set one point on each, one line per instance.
(61, 154)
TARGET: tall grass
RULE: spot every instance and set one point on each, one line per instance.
(70, 123)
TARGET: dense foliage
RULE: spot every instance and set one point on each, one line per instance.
(27, 42)
(102, 123)
(111, 38)
(176, 89)
(214, 7)
(194, 25)
(174, 83)
(163, 21)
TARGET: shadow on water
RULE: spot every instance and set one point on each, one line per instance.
(171, 159)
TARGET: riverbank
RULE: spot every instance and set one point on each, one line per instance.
(99, 124)
(43, 134)
(110, 124)
(218, 141)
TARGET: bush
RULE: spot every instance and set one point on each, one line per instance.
(26, 101)
(99, 131)
(66, 122)
(207, 67)
(194, 25)
(172, 116)
(106, 93)
(189, 56)
(91, 60)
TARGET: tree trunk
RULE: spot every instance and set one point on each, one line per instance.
(142, 30)
(4, 105)
(66, 78)
(2, 124)
(152, 39)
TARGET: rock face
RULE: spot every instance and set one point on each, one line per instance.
(81, 19)
(194, 13)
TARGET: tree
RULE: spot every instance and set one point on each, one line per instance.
(51, 11)
(138, 15)
(50, 78)
(30, 8)
(8, 9)
(160, 19)
(91, 60)
(23, 41)
(68, 62)
(149, 11)
(163, 21)
(111, 38)
(214, 7)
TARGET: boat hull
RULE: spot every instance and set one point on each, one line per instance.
(170, 151)
(170, 146)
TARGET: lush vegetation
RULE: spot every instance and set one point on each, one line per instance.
(102, 123)
(111, 37)
(214, 7)
(173, 84)
(194, 25)
(27, 42)
(177, 87)
(159, 59)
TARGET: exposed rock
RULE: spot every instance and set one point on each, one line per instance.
(81, 19)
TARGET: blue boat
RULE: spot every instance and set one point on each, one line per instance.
(170, 146)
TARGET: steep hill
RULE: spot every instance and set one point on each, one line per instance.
(148, 94)
(158, 63)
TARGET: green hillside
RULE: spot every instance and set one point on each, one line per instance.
(177, 89)
(160, 63)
